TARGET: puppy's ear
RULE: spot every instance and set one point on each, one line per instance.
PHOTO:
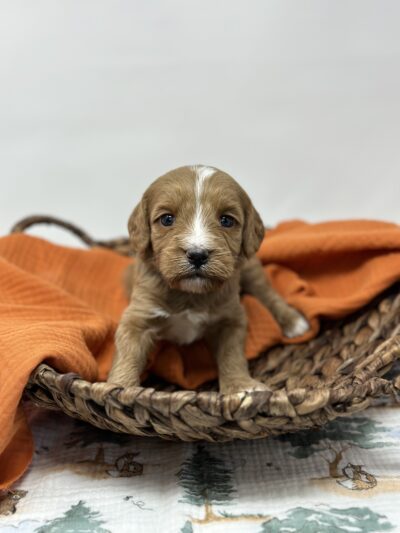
(253, 231)
(139, 229)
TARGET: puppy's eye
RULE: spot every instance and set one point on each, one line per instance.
(167, 219)
(226, 221)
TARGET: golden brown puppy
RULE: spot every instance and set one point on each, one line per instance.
(195, 234)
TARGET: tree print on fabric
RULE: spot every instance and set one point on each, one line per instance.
(78, 519)
(207, 481)
(329, 520)
(187, 528)
(332, 440)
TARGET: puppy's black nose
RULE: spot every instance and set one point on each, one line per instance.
(197, 256)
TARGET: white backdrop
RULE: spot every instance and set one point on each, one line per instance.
(299, 100)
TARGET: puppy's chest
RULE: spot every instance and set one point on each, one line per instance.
(187, 326)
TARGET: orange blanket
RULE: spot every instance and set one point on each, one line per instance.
(62, 305)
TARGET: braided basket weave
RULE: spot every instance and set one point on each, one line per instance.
(338, 372)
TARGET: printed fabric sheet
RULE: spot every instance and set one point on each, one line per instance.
(343, 477)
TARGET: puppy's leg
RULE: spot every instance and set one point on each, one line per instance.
(133, 342)
(253, 281)
(227, 343)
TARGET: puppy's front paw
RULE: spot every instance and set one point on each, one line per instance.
(123, 380)
(295, 324)
(242, 385)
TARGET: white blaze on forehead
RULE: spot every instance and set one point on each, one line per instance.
(203, 173)
(198, 236)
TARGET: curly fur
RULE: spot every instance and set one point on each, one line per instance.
(172, 299)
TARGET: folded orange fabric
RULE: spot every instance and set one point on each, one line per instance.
(62, 305)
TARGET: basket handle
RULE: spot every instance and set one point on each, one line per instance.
(120, 245)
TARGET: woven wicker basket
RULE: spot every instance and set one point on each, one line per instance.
(338, 372)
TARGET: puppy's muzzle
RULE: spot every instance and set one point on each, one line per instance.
(197, 256)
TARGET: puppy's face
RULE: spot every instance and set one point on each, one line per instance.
(195, 224)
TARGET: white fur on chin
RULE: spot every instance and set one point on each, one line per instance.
(197, 285)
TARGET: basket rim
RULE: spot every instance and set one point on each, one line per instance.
(304, 400)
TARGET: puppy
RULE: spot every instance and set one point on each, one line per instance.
(195, 234)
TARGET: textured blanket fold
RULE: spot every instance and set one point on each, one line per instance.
(61, 305)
